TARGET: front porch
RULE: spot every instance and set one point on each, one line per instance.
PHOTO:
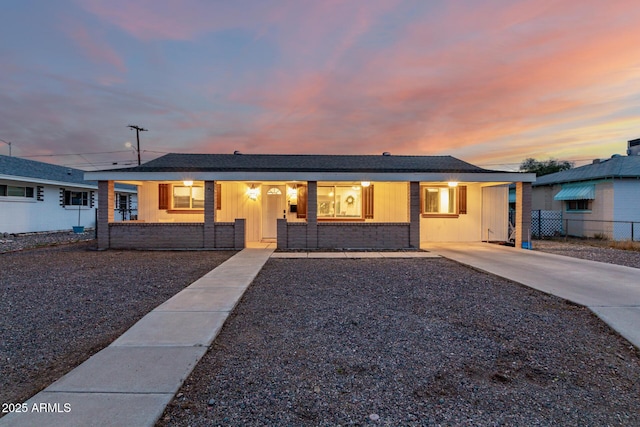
(309, 214)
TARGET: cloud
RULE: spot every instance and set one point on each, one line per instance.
(95, 47)
(492, 82)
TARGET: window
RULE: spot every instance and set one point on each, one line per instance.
(335, 201)
(76, 198)
(188, 197)
(13, 191)
(579, 205)
(439, 200)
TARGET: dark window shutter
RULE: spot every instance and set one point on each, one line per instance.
(62, 194)
(40, 194)
(302, 201)
(462, 200)
(92, 199)
(367, 193)
(218, 196)
(163, 196)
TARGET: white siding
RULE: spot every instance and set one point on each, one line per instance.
(626, 202)
(495, 213)
(28, 215)
(465, 228)
(148, 207)
(236, 205)
(390, 202)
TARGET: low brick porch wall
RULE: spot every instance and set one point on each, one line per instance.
(344, 235)
(186, 235)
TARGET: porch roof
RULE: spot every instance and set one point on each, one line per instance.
(306, 167)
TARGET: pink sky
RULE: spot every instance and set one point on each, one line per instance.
(489, 82)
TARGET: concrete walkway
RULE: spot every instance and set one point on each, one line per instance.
(611, 291)
(130, 382)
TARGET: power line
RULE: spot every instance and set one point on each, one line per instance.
(74, 154)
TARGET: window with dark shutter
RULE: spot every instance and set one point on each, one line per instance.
(368, 201)
(218, 196)
(163, 196)
(302, 201)
(462, 200)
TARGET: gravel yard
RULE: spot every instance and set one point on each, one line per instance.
(62, 304)
(591, 250)
(414, 342)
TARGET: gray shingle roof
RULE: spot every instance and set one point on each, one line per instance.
(615, 167)
(18, 167)
(302, 163)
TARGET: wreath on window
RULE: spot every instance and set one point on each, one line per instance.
(350, 200)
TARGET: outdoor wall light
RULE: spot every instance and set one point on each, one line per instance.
(187, 183)
(292, 192)
(452, 184)
(253, 192)
(365, 183)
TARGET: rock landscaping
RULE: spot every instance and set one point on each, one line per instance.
(419, 342)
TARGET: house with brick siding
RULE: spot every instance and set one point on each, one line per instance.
(310, 202)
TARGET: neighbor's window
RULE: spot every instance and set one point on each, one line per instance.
(439, 200)
(76, 198)
(13, 191)
(579, 205)
(339, 201)
(188, 197)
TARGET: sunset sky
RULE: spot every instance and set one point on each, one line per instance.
(489, 82)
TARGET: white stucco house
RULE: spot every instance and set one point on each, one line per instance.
(309, 201)
(598, 199)
(37, 197)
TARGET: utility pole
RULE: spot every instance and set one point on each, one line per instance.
(138, 130)
(9, 144)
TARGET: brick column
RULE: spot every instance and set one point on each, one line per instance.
(312, 214)
(209, 214)
(414, 214)
(523, 213)
(239, 238)
(282, 238)
(105, 212)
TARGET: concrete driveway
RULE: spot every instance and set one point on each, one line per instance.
(611, 291)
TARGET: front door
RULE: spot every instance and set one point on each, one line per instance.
(273, 208)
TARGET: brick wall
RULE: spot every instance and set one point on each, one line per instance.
(124, 235)
(156, 236)
(296, 236)
(344, 235)
(225, 235)
(367, 235)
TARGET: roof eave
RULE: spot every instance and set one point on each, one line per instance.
(439, 176)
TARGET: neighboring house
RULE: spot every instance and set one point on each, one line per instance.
(37, 196)
(309, 201)
(599, 199)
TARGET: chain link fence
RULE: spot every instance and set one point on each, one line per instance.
(553, 224)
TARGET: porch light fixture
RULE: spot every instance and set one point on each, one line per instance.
(187, 183)
(452, 184)
(292, 192)
(253, 192)
(365, 183)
